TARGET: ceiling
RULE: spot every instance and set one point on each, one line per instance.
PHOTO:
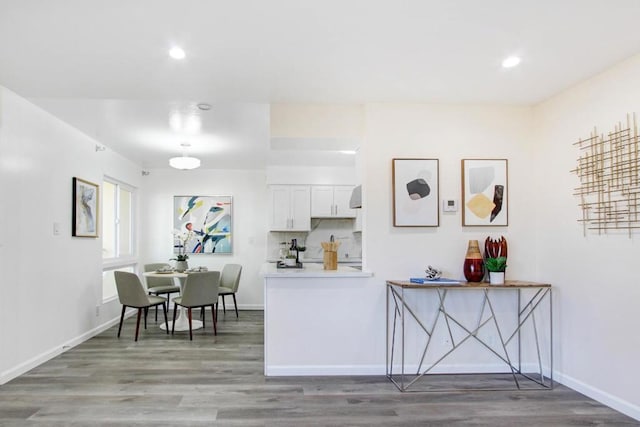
(103, 66)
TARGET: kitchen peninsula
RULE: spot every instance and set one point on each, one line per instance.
(309, 321)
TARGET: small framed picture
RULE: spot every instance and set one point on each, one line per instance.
(85, 208)
(484, 192)
(415, 193)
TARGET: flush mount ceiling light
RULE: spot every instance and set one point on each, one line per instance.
(177, 52)
(204, 106)
(511, 62)
(184, 162)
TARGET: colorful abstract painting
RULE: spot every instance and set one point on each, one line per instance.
(484, 192)
(85, 208)
(206, 223)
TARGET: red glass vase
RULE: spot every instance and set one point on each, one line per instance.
(473, 263)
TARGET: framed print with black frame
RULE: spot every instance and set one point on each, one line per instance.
(85, 208)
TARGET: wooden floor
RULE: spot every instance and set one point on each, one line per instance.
(169, 381)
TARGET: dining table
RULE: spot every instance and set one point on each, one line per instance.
(182, 321)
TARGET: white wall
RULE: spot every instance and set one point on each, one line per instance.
(597, 289)
(51, 285)
(249, 191)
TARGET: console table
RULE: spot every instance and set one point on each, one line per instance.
(511, 326)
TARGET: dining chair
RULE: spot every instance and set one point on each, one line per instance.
(160, 285)
(131, 294)
(229, 282)
(200, 291)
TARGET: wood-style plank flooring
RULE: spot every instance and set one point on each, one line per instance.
(169, 381)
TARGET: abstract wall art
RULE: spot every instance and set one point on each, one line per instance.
(85, 208)
(415, 193)
(203, 224)
(608, 168)
(484, 192)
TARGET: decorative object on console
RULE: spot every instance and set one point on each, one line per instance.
(496, 267)
(84, 221)
(473, 263)
(608, 169)
(208, 218)
(415, 193)
(484, 192)
(495, 248)
(433, 273)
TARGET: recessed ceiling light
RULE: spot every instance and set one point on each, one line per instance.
(511, 62)
(177, 53)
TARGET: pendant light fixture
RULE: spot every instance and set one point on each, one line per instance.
(184, 162)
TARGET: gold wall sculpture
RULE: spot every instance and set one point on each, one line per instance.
(608, 168)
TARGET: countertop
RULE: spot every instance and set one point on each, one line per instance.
(312, 270)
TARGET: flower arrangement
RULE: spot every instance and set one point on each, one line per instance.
(182, 238)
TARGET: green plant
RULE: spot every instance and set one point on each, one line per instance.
(291, 256)
(496, 264)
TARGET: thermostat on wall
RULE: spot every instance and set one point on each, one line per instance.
(450, 205)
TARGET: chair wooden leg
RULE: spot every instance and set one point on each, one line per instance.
(146, 310)
(173, 324)
(190, 329)
(138, 322)
(235, 304)
(121, 320)
(157, 313)
(166, 322)
(213, 315)
(224, 306)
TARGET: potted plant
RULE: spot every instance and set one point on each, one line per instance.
(182, 257)
(496, 267)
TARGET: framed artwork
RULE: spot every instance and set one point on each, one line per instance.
(85, 208)
(484, 192)
(202, 224)
(415, 193)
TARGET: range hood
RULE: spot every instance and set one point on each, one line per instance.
(356, 198)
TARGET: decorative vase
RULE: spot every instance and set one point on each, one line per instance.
(496, 277)
(182, 266)
(473, 263)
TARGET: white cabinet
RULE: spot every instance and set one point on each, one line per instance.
(331, 201)
(290, 208)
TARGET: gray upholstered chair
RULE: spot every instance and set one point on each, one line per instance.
(229, 282)
(131, 294)
(160, 285)
(200, 291)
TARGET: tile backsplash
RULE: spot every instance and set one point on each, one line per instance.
(321, 231)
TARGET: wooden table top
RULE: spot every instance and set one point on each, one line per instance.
(508, 284)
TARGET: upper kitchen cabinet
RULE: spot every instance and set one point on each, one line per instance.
(289, 208)
(331, 201)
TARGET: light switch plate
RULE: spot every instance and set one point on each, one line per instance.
(450, 205)
(56, 228)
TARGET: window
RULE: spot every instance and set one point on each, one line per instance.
(118, 236)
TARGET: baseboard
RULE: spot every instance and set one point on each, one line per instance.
(603, 397)
(28, 365)
(323, 370)
(338, 370)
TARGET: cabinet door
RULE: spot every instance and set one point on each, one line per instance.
(279, 207)
(300, 208)
(322, 201)
(341, 197)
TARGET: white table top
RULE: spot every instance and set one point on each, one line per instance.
(312, 270)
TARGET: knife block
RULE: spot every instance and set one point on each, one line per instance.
(330, 260)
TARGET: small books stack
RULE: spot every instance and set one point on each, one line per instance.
(439, 281)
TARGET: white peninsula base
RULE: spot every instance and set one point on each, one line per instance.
(315, 321)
